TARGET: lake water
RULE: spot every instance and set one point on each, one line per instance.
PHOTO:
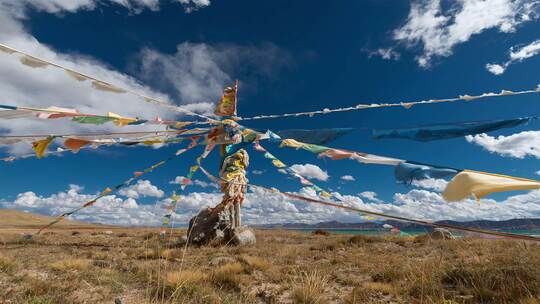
(408, 232)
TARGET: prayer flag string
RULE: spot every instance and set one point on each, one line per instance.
(383, 215)
(97, 84)
(464, 183)
(107, 191)
(406, 105)
(175, 197)
(284, 168)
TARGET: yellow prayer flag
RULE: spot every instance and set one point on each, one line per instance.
(278, 163)
(153, 141)
(40, 146)
(227, 104)
(480, 184)
(119, 120)
(181, 124)
(291, 143)
(325, 194)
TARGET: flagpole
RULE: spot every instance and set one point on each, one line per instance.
(235, 96)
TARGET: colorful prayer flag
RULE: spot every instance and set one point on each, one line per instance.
(227, 104)
(40, 146)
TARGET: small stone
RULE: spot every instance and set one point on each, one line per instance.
(101, 263)
(436, 234)
(243, 237)
(441, 234)
(222, 260)
(179, 242)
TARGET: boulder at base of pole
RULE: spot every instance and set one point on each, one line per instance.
(212, 226)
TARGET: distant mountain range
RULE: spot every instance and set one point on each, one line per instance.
(514, 224)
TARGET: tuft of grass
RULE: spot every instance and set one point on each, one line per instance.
(70, 264)
(149, 254)
(310, 288)
(228, 276)
(8, 265)
(321, 232)
(171, 254)
(39, 300)
(364, 239)
(368, 292)
(256, 262)
(502, 278)
(176, 279)
(41, 290)
(387, 272)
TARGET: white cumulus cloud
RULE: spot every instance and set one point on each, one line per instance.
(519, 145)
(495, 69)
(370, 196)
(438, 28)
(261, 207)
(193, 5)
(143, 188)
(348, 178)
(310, 171)
(517, 54)
(385, 53)
(431, 183)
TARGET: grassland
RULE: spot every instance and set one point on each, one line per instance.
(18, 219)
(103, 265)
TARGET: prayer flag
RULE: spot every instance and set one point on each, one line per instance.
(40, 146)
(446, 131)
(480, 184)
(406, 172)
(227, 104)
(75, 144)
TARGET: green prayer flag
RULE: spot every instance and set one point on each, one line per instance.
(95, 120)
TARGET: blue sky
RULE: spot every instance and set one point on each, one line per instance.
(289, 56)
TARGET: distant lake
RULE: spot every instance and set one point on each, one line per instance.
(406, 232)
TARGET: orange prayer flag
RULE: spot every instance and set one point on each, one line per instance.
(336, 154)
(75, 144)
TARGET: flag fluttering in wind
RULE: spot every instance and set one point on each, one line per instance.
(227, 103)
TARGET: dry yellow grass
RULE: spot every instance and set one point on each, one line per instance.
(171, 254)
(228, 276)
(310, 288)
(8, 264)
(180, 278)
(256, 262)
(70, 264)
(136, 266)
